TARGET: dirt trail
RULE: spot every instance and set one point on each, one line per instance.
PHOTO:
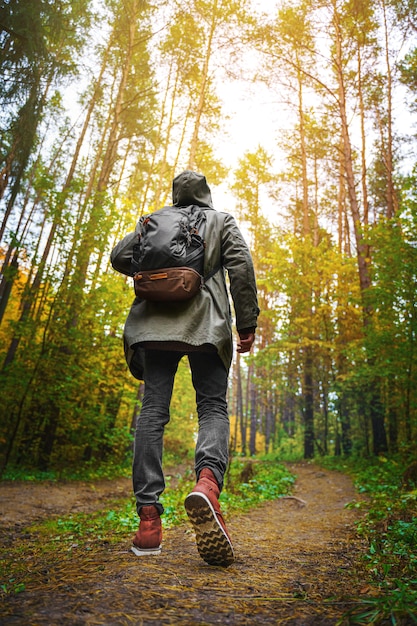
(295, 566)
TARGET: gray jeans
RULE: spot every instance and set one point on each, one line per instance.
(209, 377)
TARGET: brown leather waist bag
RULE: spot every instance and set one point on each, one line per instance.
(169, 284)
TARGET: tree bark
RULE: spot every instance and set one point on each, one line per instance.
(363, 252)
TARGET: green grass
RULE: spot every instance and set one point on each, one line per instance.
(86, 472)
(270, 480)
(389, 526)
(56, 538)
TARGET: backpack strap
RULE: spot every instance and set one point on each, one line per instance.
(217, 267)
(211, 274)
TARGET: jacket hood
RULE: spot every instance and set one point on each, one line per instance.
(191, 188)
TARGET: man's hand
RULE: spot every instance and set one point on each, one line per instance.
(245, 343)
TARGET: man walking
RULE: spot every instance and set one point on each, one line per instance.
(157, 335)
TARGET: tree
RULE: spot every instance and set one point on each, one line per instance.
(39, 40)
(70, 319)
(253, 179)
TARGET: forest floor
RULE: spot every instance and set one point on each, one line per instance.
(297, 562)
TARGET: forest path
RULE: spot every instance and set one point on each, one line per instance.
(296, 565)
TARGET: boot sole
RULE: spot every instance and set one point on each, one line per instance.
(145, 551)
(213, 544)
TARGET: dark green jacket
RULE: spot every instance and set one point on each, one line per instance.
(205, 320)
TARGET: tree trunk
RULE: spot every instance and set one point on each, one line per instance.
(363, 252)
(253, 412)
(23, 141)
(308, 396)
(202, 93)
(392, 200)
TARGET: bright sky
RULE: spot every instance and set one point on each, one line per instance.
(255, 118)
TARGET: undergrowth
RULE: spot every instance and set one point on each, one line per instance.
(59, 538)
(87, 471)
(389, 526)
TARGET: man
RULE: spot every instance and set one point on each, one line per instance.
(157, 335)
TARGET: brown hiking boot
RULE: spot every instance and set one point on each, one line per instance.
(203, 509)
(148, 538)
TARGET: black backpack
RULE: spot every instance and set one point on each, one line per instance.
(168, 257)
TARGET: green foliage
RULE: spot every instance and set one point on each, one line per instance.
(287, 448)
(56, 539)
(390, 529)
(270, 480)
(90, 470)
(181, 431)
(74, 185)
(12, 586)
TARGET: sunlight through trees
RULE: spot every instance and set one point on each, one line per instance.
(102, 107)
